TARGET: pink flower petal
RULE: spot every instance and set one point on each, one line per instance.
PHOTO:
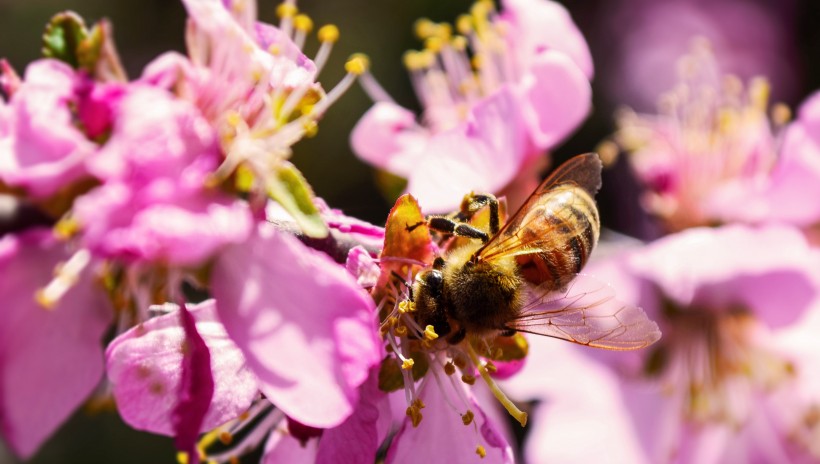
(196, 388)
(45, 150)
(357, 439)
(557, 100)
(538, 25)
(388, 137)
(770, 270)
(144, 367)
(50, 360)
(282, 447)
(442, 436)
(307, 330)
(481, 155)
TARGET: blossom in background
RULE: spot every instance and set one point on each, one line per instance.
(506, 87)
(639, 41)
(727, 383)
(710, 146)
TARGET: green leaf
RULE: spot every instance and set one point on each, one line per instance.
(391, 377)
(63, 36)
(290, 189)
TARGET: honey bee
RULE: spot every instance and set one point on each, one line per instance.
(524, 276)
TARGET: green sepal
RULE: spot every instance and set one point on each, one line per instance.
(63, 35)
(391, 377)
(290, 189)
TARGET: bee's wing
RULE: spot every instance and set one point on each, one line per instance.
(582, 170)
(586, 312)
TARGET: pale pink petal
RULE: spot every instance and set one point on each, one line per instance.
(538, 25)
(388, 137)
(770, 271)
(357, 439)
(363, 267)
(50, 360)
(306, 328)
(558, 98)
(144, 368)
(442, 436)
(481, 155)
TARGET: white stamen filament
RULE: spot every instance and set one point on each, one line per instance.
(66, 275)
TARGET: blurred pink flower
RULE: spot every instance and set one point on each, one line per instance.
(527, 89)
(711, 145)
(48, 126)
(723, 385)
(50, 358)
(641, 38)
(153, 205)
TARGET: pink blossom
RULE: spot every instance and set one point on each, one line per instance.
(481, 127)
(43, 147)
(305, 327)
(143, 365)
(711, 154)
(50, 359)
(725, 384)
(154, 205)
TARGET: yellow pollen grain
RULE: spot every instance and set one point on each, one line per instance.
(401, 331)
(444, 30)
(226, 438)
(430, 333)
(434, 44)
(407, 306)
(459, 42)
(426, 58)
(286, 10)
(407, 364)
(781, 114)
(66, 228)
(311, 128)
(411, 60)
(480, 451)
(424, 28)
(449, 368)
(419, 404)
(468, 379)
(467, 417)
(464, 24)
(302, 22)
(44, 301)
(182, 457)
(414, 414)
(357, 64)
(328, 33)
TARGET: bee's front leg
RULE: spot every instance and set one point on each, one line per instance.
(452, 227)
(474, 202)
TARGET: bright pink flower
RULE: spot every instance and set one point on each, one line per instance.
(305, 327)
(481, 127)
(50, 359)
(725, 383)
(154, 205)
(44, 147)
(143, 365)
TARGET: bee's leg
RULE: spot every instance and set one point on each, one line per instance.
(457, 337)
(474, 202)
(449, 226)
(407, 285)
(508, 332)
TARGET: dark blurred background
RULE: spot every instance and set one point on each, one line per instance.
(634, 44)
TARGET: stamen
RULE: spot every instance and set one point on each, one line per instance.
(481, 452)
(66, 275)
(518, 414)
(303, 25)
(430, 333)
(328, 35)
(467, 417)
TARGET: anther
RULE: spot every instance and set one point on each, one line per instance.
(430, 333)
(401, 330)
(491, 367)
(434, 44)
(66, 228)
(286, 10)
(480, 451)
(460, 362)
(449, 368)
(467, 417)
(781, 114)
(357, 64)
(226, 438)
(328, 33)
(407, 364)
(302, 22)
(424, 28)
(464, 24)
(468, 379)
